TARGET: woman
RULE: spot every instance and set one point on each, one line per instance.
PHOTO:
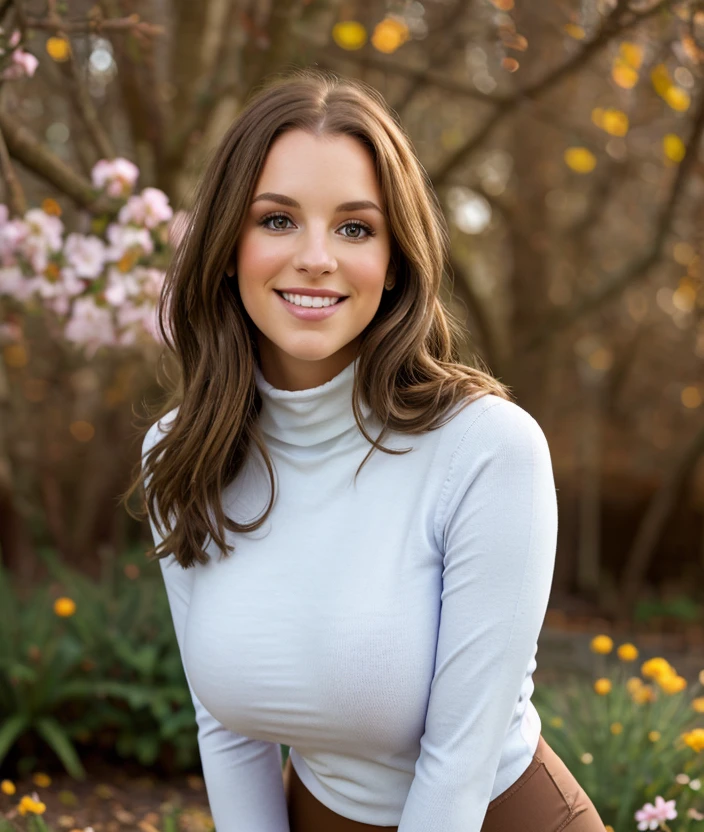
(378, 613)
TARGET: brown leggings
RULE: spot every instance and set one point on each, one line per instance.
(545, 798)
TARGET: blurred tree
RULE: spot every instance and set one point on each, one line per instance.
(564, 141)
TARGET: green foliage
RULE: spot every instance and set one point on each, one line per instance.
(623, 747)
(109, 674)
(681, 607)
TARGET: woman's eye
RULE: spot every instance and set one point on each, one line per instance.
(359, 227)
(277, 222)
(273, 218)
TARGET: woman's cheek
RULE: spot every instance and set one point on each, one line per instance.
(258, 258)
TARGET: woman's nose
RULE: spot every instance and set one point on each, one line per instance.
(314, 254)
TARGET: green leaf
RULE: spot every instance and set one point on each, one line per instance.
(12, 728)
(50, 730)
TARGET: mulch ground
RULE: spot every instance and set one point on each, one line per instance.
(112, 800)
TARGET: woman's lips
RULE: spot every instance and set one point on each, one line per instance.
(310, 313)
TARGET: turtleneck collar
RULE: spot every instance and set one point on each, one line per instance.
(308, 417)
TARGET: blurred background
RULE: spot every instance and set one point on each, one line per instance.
(564, 140)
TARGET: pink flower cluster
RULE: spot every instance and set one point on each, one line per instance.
(21, 64)
(650, 817)
(104, 288)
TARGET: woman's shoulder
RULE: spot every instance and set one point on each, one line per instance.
(492, 422)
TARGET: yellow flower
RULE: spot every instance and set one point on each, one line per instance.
(557, 722)
(389, 34)
(627, 652)
(42, 780)
(698, 704)
(616, 728)
(634, 684)
(574, 31)
(615, 122)
(580, 159)
(51, 206)
(677, 98)
(587, 758)
(644, 694)
(602, 686)
(58, 48)
(601, 644)
(609, 828)
(672, 683)
(7, 787)
(654, 736)
(349, 34)
(660, 77)
(673, 147)
(632, 54)
(624, 75)
(694, 739)
(31, 805)
(64, 607)
(654, 668)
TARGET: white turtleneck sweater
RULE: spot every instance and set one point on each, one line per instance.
(387, 631)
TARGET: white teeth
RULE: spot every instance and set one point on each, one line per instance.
(309, 300)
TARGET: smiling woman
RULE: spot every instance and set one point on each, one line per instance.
(384, 627)
(333, 242)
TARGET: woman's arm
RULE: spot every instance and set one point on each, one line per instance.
(242, 776)
(497, 525)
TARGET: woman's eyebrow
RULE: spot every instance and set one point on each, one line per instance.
(355, 205)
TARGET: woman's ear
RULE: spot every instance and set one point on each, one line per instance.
(230, 268)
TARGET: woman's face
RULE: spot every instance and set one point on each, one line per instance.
(307, 229)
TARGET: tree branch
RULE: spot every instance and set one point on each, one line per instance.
(26, 148)
(205, 98)
(96, 24)
(612, 286)
(613, 25)
(15, 193)
(655, 518)
(86, 110)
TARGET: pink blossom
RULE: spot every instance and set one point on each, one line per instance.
(35, 250)
(12, 235)
(121, 287)
(86, 254)
(118, 176)
(15, 39)
(45, 225)
(151, 281)
(13, 283)
(122, 238)
(90, 325)
(150, 208)
(11, 332)
(650, 817)
(23, 64)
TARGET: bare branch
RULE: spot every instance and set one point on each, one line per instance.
(330, 56)
(97, 24)
(211, 89)
(84, 105)
(27, 149)
(15, 193)
(620, 20)
(613, 286)
(656, 515)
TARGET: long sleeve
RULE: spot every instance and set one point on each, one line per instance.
(497, 523)
(243, 777)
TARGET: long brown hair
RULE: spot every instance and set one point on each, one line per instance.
(409, 371)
